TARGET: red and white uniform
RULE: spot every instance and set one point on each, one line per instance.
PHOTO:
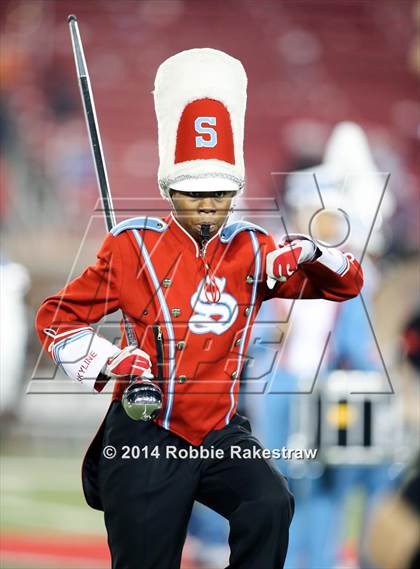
(153, 271)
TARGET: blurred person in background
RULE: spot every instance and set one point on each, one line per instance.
(393, 530)
(347, 180)
(14, 280)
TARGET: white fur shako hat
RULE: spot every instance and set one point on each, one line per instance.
(200, 100)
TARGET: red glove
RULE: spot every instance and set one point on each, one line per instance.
(283, 262)
(130, 361)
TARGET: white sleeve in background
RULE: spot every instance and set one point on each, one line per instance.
(82, 354)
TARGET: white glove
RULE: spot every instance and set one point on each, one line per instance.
(283, 262)
(131, 361)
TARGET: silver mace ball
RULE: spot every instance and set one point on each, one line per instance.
(142, 400)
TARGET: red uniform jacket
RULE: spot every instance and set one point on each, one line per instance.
(154, 271)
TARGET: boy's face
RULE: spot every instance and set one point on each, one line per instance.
(192, 209)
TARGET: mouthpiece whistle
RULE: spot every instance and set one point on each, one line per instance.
(205, 232)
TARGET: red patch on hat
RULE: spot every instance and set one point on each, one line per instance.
(204, 133)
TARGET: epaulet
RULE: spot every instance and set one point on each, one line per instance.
(153, 223)
(230, 231)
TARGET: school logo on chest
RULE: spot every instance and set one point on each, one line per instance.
(212, 317)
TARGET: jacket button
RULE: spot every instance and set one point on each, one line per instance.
(182, 378)
(237, 342)
(145, 312)
(233, 375)
(180, 345)
(249, 279)
(176, 312)
(166, 283)
(247, 310)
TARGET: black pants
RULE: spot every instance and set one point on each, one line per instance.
(148, 501)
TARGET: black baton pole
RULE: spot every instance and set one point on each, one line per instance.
(140, 398)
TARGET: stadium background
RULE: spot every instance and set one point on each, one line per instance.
(310, 65)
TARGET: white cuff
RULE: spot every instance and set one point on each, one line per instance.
(334, 259)
(82, 355)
